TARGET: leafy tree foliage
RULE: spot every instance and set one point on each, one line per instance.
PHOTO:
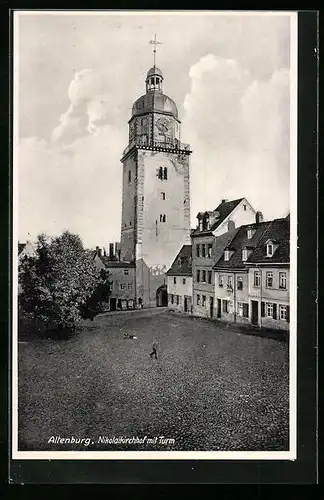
(62, 283)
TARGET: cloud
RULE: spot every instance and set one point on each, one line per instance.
(238, 128)
(92, 105)
(80, 191)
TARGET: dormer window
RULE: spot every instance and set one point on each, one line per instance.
(206, 221)
(226, 255)
(269, 249)
(250, 233)
(200, 224)
(244, 254)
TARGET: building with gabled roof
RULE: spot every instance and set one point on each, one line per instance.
(122, 280)
(214, 230)
(26, 250)
(269, 277)
(252, 276)
(179, 281)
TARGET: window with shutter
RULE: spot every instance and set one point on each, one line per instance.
(197, 250)
(287, 314)
(246, 310)
(274, 311)
(198, 275)
(262, 309)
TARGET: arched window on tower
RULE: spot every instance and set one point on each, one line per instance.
(164, 218)
(160, 173)
(165, 173)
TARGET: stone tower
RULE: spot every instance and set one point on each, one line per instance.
(156, 197)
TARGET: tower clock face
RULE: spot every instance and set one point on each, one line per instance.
(164, 126)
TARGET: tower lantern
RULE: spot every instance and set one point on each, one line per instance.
(154, 80)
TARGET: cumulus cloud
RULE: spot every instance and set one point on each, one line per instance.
(238, 128)
(80, 191)
(73, 180)
(92, 105)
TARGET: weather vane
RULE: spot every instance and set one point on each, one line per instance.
(155, 42)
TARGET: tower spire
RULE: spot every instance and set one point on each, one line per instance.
(154, 42)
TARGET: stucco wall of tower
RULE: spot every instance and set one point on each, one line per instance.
(129, 209)
(158, 241)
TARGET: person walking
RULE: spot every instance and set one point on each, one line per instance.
(154, 347)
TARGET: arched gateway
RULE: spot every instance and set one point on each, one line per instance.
(162, 296)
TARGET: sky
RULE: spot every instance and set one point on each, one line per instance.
(77, 76)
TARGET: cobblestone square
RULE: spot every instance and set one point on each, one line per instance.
(210, 388)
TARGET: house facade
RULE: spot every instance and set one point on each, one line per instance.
(269, 277)
(252, 276)
(179, 281)
(209, 239)
(232, 273)
(122, 280)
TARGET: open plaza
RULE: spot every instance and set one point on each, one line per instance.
(211, 387)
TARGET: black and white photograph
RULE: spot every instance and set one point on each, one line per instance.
(154, 235)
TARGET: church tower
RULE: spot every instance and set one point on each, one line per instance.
(155, 197)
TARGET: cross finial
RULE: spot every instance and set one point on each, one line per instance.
(155, 42)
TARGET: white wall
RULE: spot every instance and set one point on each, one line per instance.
(239, 216)
(179, 288)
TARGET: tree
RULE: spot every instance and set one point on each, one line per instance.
(61, 282)
(95, 302)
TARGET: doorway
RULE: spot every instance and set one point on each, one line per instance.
(211, 306)
(254, 312)
(113, 304)
(219, 308)
(162, 296)
(185, 304)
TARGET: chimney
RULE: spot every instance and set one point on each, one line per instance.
(224, 200)
(117, 250)
(104, 252)
(259, 217)
(98, 250)
(111, 250)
